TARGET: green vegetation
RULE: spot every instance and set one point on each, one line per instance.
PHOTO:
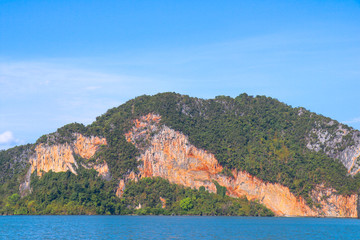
(86, 193)
(13, 166)
(66, 193)
(260, 135)
(185, 201)
(221, 190)
(63, 135)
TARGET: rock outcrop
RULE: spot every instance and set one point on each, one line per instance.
(333, 139)
(163, 202)
(87, 146)
(168, 154)
(57, 158)
(334, 204)
(60, 158)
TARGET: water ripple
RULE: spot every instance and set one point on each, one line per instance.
(164, 227)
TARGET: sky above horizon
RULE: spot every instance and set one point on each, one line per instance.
(70, 61)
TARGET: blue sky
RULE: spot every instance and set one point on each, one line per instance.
(70, 61)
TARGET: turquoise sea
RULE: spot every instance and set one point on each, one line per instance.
(171, 227)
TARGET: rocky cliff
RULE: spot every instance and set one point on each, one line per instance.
(291, 153)
(168, 154)
(338, 142)
(61, 158)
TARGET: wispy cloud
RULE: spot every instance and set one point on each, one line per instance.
(6, 137)
(39, 97)
(7, 140)
(42, 95)
(32, 76)
(354, 120)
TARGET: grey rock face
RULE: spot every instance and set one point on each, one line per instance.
(338, 142)
(14, 161)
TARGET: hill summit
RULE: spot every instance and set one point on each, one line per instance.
(175, 154)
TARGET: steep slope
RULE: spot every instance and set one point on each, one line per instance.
(61, 158)
(333, 139)
(260, 135)
(168, 154)
(294, 161)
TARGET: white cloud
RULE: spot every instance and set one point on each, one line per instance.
(354, 120)
(41, 96)
(6, 137)
(50, 80)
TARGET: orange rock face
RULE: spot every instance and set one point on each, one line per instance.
(87, 146)
(275, 196)
(122, 185)
(102, 169)
(60, 158)
(163, 202)
(335, 205)
(169, 155)
(121, 188)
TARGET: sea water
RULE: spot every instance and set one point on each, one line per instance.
(175, 227)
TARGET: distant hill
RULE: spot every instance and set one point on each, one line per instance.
(174, 154)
